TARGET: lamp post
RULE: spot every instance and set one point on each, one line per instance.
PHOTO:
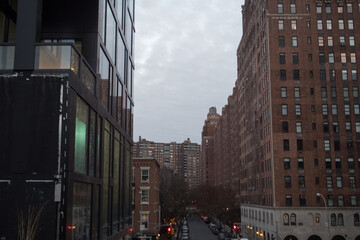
(327, 214)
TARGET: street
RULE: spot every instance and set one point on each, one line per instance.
(199, 230)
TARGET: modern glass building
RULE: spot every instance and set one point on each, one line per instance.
(66, 111)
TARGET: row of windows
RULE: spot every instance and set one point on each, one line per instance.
(331, 57)
(324, 93)
(340, 199)
(324, 108)
(329, 182)
(341, 24)
(327, 145)
(332, 74)
(330, 41)
(340, 8)
(328, 164)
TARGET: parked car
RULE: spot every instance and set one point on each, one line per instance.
(206, 219)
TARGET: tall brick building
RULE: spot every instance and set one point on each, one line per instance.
(295, 120)
(182, 158)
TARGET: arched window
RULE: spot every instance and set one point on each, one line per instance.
(356, 220)
(293, 219)
(340, 220)
(286, 219)
(333, 220)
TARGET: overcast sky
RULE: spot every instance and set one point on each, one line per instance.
(185, 59)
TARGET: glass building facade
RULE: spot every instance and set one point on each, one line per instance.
(66, 111)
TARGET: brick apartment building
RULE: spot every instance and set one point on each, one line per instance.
(294, 121)
(146, 198)
(182, 158)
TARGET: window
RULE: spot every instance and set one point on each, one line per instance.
(318, 8)
(328, 24)
(302, 199)
(312, 108)
(313, 126)
(286, 217)
(343, 57)
(293, 8)
(333, 219)
(347, 109)
(321, 57)
(317, 181)
(295, 58)
(323, 93)
(340, 220)
(329, 183)
(333, 92)
(293, 25)
(286, 163)
(357, 127)
(352, 183)
(282, 75)
(144, 174)
(327, 145)
(300, 163)
(144, 220)
(281, 41)
(301, 182)
(341, 24)
(144, 195)
(340, 8)
(328, 165)
(281, 24)
(330, 41)
(297, 109)
(351, 24)
(356, 109)
(348, 127)
(353, 75)
(294, 41)
(283, 92)
(353, 200)
(284, 110)
(330, 200)
(288, 199)
(328, 8)
(282, 58)
(338, 163)
(334, 109)
(346, 93)
(309, 40)
(322, 75)
(351, 165)
(325, 109)
(331, 58)
(293, 219)
(299, 143)
(297, 93)
(349, 8)
(319, 25)
(356, 220)
(296, 75)
(280, 8)
(353, 57)
(340, 200)
(339, 182)
(342, 40)
(351, 41)
(335, 127)
(285, 127)
(287, 180)
(298, 128)
(286, 145)
(344, 75)
(355, 92)
(326, 128)
(332, 74)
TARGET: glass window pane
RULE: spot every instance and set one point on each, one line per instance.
(110, 32)
(104, 71)
(81, 136)
(81, 211)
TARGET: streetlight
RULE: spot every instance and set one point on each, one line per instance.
(327, 213)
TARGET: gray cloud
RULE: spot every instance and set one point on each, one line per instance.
(185, 57)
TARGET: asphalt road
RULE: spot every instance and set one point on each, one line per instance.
(198, 230)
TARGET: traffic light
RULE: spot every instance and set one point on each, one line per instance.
(169, 230)
(234, 227)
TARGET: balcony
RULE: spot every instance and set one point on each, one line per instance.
(64, 57)
(55, 57)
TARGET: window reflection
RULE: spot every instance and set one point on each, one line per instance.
(81, 212)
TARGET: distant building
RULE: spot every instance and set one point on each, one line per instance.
(66, 111)
(146, 199)
(182, 158)
(294, 121)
